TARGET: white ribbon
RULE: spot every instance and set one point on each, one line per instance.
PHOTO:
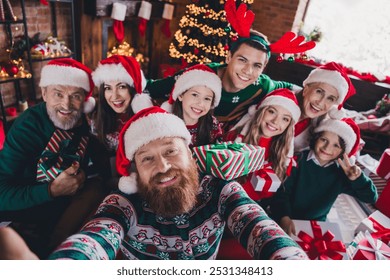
(375, 247)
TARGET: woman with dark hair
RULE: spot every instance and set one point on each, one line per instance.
(120, 81)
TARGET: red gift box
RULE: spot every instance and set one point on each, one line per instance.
(369, 165)
(369, 248)
(383, 202)
(319, 245)
(383, 168)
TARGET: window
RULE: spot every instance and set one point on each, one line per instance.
(355, 33)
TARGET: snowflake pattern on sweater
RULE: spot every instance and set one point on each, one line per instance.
(126, 223)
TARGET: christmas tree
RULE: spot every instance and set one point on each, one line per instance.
(205, 34)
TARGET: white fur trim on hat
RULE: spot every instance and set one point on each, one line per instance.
(64, 75)
(128, 184)
(335, 113)
(152, 127)
(167, 106)
(196, 77)
(118, 11)
(341, 129)
(89, 105)
(331, 77)
(286, 103)
(114, 72)
(141, 101)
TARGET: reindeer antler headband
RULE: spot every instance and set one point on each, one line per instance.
(241, 21)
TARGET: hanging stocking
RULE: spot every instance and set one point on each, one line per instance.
(118, 14)
(167, 16)
(144, 15)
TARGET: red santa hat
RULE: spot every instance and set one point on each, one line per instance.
(347, 129)
(124, 69)
(282, 97)
(144, 127)
(198, 75)
(335, 75)
(69, 72)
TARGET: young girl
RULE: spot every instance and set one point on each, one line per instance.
(120, 81)
(270, 124)
(322, 174)
(195, 94)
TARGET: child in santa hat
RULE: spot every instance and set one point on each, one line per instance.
(325, 87)
(120, 81)
(322, 174)
(196, 93)
(269, 124)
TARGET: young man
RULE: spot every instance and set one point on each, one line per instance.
(243, 83)
(45, 155)
(175, 214)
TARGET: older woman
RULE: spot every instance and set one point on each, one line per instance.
(325, 87)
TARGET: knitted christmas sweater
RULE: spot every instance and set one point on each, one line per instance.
(311, 190)
(25, 142)
(215, 133)
(126, 223)
(230, 101)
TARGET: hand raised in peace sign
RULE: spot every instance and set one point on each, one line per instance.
(351, 170)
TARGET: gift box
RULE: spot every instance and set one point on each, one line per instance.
(377, 224)
(229, 160)
(265, 182)
(59, 154)
(366, 247)
(320, 240)
(383, 169)
(369, 166)
(383, 202)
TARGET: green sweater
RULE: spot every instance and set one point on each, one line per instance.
(311, 190)
(126, 223)
(160, 89)
(23, 147)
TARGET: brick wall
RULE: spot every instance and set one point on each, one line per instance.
(39, 19)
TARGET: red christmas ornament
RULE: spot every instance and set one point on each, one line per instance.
(207, 14)
(11, 69)
(196, 51)
(226, 47)
(279, 59)
(234, 38)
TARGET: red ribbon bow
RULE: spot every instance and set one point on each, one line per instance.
(320, 246)
(381, 233)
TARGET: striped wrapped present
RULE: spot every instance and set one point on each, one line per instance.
(61, 151)
(229, 160)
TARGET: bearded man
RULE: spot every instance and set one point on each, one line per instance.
(45, 155)
(164, 209)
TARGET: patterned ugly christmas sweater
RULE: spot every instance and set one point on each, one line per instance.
(233, 105)
(215, 133)
(126, 223)
(20, 184)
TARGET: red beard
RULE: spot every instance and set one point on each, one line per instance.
(173, 200)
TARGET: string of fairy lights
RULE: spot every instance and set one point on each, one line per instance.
(200, 19)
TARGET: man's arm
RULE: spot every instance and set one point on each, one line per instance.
(260, 235)
(18, 159)
(101, 237)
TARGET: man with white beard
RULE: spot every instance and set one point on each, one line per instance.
(45, 155)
